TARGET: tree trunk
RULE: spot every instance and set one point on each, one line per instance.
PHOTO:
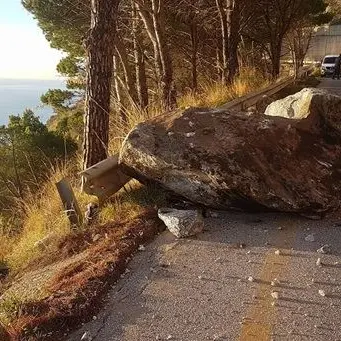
(117, 91)
(275, 55)
(167, 86)
(127, 69)
(194, 57)
(140, 65)
(100, 47)
(148, 23)
(233, 18)
(224, 40)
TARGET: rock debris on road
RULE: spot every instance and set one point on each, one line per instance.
(205, 291)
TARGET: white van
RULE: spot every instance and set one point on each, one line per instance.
(328, 65)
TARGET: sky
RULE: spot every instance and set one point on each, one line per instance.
(24, 53)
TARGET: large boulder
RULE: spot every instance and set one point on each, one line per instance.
(224, 159)
(300, 104)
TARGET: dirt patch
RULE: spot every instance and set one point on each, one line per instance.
(76, 292)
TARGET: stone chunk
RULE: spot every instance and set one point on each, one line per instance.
(182, 223)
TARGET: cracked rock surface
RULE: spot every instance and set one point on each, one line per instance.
(253, 162)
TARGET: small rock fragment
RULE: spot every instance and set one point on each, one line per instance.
(86, 337)
(170, 337)
(96, 238)
(91, 213)
(322, 293)
(191, 134)
(310, 238)
(251, 279)
(275, 295)
(319, 262)
(325, 249)
(142, 248)
(182, 223)
(213, 214)
(277, 252)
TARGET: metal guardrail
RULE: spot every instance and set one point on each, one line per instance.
(106, 178)
(244, 102)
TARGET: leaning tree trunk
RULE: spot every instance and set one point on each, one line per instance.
(100, 49)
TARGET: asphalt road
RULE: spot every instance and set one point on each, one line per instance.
(246, 278)
(218, 286)
(332, 85)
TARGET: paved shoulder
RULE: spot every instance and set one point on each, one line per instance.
(248, 277)
(331, 85)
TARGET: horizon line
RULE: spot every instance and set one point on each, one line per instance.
(61, 78)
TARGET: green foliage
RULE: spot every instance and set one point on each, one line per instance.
(27, 150)
(63, 22)
(56, 98)
(68, 123)
(71, 66)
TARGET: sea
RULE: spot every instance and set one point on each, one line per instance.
(16, 95)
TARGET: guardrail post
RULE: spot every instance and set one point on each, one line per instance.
(70, 203)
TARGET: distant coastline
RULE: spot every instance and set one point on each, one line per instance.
(18, 94)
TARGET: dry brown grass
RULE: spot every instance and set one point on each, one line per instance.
(42, 216)
(214, 94)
